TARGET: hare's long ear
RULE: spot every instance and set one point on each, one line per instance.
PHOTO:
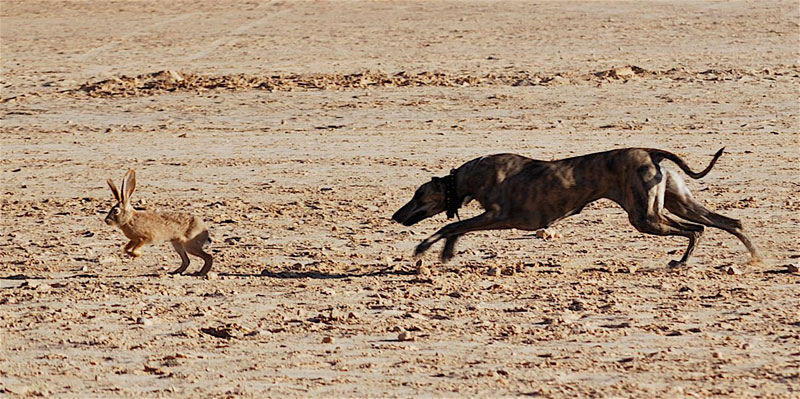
(114, 190)
(128, 185)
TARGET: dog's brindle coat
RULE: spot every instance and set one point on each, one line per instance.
(522, 193)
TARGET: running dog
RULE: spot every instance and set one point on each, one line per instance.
(527, 194)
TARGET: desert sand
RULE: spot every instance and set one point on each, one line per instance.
(296, 129)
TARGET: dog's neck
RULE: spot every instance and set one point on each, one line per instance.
(451, 199)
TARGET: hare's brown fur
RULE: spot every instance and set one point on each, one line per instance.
(186, 232)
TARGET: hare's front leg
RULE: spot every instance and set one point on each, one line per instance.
(134, 249)
(129, 247)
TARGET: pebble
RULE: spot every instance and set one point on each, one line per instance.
(327, 340)
(103, 260)
(545, 234)
(43, 287)
(405, 336)
(144, 321)
(793, 267)
(494, 272)
(212, 276)
(422, 269)
(732, 270)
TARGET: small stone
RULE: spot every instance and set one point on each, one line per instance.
(405, 336)
(576, 305)
(327, 340)
(422, 269)
(43, 287)
(494, 272)
(212, 276)
(732, 270)
(547, 234)
(144, 321)
(793, 267)
(104, 260)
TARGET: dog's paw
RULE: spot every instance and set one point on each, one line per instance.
(446, 256)
(421, 248)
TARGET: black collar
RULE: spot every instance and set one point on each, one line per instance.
(451, 200)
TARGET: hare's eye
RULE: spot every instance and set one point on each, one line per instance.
(116, 211)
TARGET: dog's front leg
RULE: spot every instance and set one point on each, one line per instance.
(451, 232)
(449, 249)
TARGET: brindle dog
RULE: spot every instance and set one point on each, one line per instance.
(522, 193)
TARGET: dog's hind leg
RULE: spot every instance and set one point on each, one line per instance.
(451, 232)
(645, 207)
(679, 201)
(665, 226)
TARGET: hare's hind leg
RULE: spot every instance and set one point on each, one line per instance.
(184, 258)
(195, 247)
(198, 251)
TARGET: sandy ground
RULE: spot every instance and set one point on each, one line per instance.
(295, 129)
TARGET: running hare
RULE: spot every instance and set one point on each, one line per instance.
(187, 233)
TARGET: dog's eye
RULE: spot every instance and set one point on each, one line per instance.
(116, 211)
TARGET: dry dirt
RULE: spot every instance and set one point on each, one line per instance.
(295, 129)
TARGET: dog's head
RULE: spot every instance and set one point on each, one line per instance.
(429, 200)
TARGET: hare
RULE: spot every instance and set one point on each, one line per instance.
(186, 232)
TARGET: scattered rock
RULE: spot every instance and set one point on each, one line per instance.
(576, 305)
(405, 336)
(494, 272)
(547, 234)
(422, 268)
(226, 331)
(144, 321)
(327, 340)
(212, 276)
(792, 267)
(732, 270)
(105, 260)
(43, 287)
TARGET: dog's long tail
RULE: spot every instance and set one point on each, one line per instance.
(658, 155)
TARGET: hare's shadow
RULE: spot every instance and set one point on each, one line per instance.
(388, 271)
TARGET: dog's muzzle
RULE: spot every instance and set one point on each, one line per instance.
(400, 217)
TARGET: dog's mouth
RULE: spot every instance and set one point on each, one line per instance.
(413, 219)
